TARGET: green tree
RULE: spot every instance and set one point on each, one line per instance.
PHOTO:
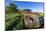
(27, 10)
(12, 8)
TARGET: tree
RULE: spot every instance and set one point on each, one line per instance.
(27, 10)
(12, 8)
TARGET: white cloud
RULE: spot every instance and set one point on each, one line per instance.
(37, 10)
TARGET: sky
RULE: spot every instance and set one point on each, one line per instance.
(34, 6)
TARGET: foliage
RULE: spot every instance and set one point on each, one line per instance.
(14, 21)
(26, 10)
(12, 8)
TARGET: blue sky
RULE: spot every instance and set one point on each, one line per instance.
(34, 6)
